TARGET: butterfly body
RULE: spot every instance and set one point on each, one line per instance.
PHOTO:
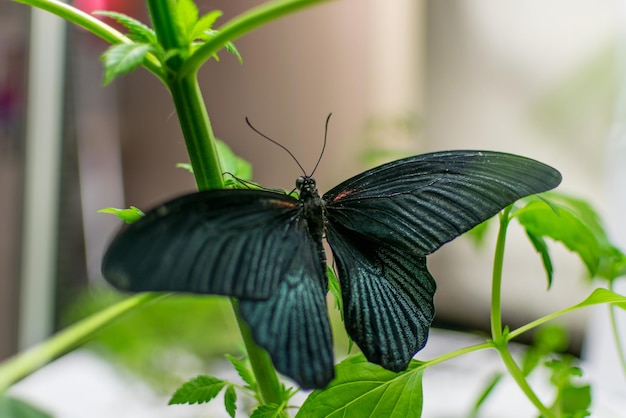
(265, 248)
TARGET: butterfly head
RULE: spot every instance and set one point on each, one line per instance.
(306, 185)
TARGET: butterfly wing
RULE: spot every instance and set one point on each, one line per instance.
(293, 323)
(227, 242)
(382, 223)
(253, 245)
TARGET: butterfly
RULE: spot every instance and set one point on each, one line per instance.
(265, 249)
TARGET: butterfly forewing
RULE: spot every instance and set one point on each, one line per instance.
(419, 203)
(228, 242)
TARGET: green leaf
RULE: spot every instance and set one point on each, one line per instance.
(233, 164)
(129, 215)
(137, 30)
(185, 166)
(270, 410)
(200, 389)
(230, 400)
(540, 221)
(15, 408)
(122, 58)
(542, 248)
(243, 371)
(489, 387)
(186, 18)
(205, 23)
(363, 389)
(602, 296)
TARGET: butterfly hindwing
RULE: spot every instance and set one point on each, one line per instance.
(293, 323)
(422, 202)
(228, 242)
(388, 298)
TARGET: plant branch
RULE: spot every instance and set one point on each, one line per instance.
(619, 346)
(20, 366)
(93, 25)
(239, 26)
(496, 279)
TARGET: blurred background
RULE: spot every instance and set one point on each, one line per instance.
(537, 78)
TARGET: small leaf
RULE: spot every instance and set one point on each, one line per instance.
(230, 400)
(205, 23)
(366, 390)
(270, 410)
(120, 59)
(129, 215)
(603, 296)
(186, 18)
(233, 164)
(137, 30)
(230, 47)
(200, 389)
(185, 166)
(243, 371)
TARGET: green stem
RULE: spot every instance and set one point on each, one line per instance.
(521, 381)
(616, 334)
(497, 334)
(496, 279)
(240, 25)
(22, 365)
(201, 147)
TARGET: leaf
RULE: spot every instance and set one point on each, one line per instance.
(233, 164)
(120, 59)
(15, 408)
(364, 389)
(186, 18)
(270, 410)
(137, 30)
(243, 371)
(205, 23)
(200, 389)
(602, 296)
(489, 387)
(542, 248)
(129, 215)
(540, 221)
(230, 400)
(185, 166)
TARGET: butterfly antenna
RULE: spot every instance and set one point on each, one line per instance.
(276, 143)
(323, 146)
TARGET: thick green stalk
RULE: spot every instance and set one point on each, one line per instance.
(66, 340)
(202, 151)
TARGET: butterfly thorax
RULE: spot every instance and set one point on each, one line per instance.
(312, 206)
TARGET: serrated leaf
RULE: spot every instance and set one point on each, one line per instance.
(366, 390)
(243, 371)
(120, 59)
(15, 408)
(205, 23)
(200, 389)
(129, 215)
(542, 248)
(186, 18)
(540, 220)
(137, 30)
(230, 400)
(270, 410)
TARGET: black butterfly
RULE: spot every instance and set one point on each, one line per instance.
(265, 248)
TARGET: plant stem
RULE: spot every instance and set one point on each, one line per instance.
(66, 340)
(202, 150)
(499, 339)
(619, 346)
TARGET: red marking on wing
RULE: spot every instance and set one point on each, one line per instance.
(282, 204)
(342, 195)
